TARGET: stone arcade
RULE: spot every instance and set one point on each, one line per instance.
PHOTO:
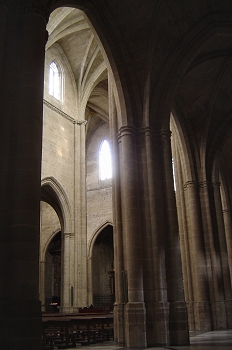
(153, 79)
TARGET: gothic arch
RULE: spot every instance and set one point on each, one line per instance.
(47, 244)
(53, 193)
(94, 237)
(110, 55)
(89, 258)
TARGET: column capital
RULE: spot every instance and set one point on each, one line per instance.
(165, 133)
(205, 184)
(80, 122)
(68, 234)
(226, 210)
(149, 131)
(189, 184)
(127, 130)
(216, 184)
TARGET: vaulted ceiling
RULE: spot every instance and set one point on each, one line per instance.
(68, 28)
(202, 99)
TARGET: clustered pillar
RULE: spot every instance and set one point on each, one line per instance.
(205, 228)
(222, 247)
(155, 288)
(150, 309)
(200, 295)
(119, 324)
(132, 240)
(178, 319)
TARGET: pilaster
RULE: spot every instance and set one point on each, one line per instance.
(80, 283)
(68, 272)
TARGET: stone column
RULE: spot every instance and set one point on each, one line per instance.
(42, 284)
(21, 111)
(90, 280)
(155, 289)
(223, 253)
(181, 200)
(228, 232)
(119, 324)
(68, 275)
(198, 273)
(132, 240)
(178, 319)
(80, 261)
(213, 261)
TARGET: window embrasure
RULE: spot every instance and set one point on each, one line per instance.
(105, 163)
(55, 80)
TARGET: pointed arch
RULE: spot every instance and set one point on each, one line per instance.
(53, 193)
(94, 237)
(90, 249)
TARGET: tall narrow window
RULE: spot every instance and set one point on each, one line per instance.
(174, 175)
(105, 161)
(54, 81)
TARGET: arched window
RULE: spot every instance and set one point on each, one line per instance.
(55, 80)
(174, 174)
(105, 161)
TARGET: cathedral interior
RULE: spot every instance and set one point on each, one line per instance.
(116, 170)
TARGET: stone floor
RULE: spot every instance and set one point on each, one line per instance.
(216, 340)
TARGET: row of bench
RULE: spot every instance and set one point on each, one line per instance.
(63, 332)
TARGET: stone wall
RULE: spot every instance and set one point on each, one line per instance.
(61, 164)
(99, 193)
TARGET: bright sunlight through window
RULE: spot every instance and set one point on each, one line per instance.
(174, 175)
(105, 161)
(54, 81)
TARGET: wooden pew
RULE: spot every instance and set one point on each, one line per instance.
(67, 331)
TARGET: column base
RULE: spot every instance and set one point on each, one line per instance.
(20, 324)
(191, 318)
(157, 318)
(135, 330)
(178, 323)
(219, 315)
(202, 316)
(119, 324)
(43, 307)
(228, 305)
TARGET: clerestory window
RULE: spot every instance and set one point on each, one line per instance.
(105, 163)
(55, 80)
